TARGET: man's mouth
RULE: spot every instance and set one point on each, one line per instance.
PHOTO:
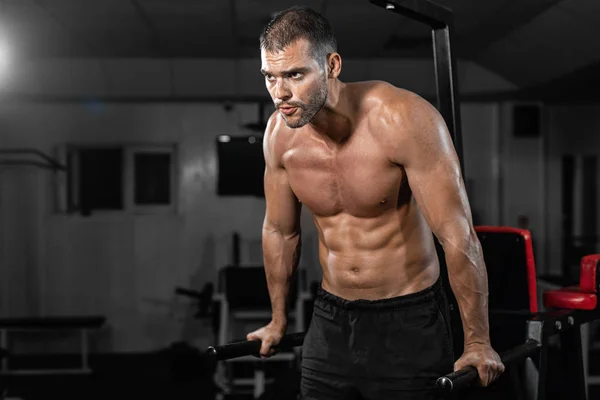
(288, 110)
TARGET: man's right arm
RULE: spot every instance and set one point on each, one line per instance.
(281, 237)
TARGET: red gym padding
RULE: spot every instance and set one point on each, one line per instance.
(510, 264)
(581, 297)
(589, 273)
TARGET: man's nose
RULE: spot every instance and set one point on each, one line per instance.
(281, 91)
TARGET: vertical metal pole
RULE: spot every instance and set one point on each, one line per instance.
(447, 86)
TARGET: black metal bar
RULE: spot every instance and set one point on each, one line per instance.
(571, 351)
(424, 11)
(447, 87)
(462, 378)
(252, 347)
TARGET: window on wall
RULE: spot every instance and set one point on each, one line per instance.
(100, 179)
(152, 178)
(125, 178)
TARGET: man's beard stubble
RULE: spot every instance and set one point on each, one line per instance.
(309, 110)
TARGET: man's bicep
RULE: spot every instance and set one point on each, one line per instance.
(282, 206)
(441, 196)
(435, 178)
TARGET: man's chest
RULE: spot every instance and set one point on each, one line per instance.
(357, 178)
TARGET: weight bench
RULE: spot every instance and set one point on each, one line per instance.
(82, 324)
(243, 296)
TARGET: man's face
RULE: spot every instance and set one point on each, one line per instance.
(296, 82)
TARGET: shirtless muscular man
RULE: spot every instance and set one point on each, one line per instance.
(376, 166)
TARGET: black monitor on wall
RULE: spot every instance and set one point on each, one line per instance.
(241, 166)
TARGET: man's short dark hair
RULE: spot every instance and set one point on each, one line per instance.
(295, 23)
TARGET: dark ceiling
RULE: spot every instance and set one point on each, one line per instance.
(541, 46)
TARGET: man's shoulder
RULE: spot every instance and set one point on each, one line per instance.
(389, 106)
(396, 116)
(386, 97)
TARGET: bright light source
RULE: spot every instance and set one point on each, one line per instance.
(224, 138)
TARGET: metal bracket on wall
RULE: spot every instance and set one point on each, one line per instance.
(30, 157)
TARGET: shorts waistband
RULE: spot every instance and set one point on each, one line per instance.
(421, 297)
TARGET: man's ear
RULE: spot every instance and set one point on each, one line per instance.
(334, 65)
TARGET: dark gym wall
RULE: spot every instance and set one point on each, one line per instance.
(573, 131)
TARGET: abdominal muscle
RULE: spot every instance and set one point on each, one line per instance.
(376, 258)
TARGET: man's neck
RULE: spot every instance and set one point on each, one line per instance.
(335, 119)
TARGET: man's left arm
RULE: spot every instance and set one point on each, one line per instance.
(426, 152)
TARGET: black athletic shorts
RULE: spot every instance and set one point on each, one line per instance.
(377, 349)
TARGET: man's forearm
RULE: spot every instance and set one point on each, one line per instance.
(468, 279)
(281, 256)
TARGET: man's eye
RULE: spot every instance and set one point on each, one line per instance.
(269, 77)
(296, 75)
